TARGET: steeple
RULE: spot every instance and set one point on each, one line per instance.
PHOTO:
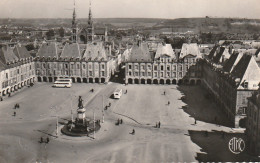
(90, 14)
(90, 28)
(74, 25)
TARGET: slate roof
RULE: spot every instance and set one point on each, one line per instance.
(95, 51)
(140, 53)
(48, 50)
(165, 49)
(232, 61)
(212, 52)
(247, 70)
(71, 51)
(7, 55)
(21, 52)
(192, 49)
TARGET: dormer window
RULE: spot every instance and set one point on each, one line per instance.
(246, 85)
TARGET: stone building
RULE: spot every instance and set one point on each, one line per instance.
(163, 67)
(17, 69)
(252, 124)
(88, 63)
(230, 82)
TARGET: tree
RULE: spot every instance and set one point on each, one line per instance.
(50, 34)
(61, 32)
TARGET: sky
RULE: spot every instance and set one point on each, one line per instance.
(169, 9)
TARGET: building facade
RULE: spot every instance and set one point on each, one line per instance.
(163, 67)
(17, 69)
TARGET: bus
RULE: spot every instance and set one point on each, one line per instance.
(60, 84)
(118, 93)
(63, 82)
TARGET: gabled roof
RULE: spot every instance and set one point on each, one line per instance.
(48, 50)
(212, 52)
(21, 52)
(95, 51)
(222, 53)
(7, 55)
(192, 49)
(165, 49)
(247, 70)
(232, 61)
(71, 51)
(140, 53)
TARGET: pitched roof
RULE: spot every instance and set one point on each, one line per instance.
(71, 51)
(165, 49)
(48, 50)
(232, 61)
(192, 49)
(140, 53)
(212, 52)
(247, 70)
(21, 52)
(221, 53)
(7, 55)
(96, 51)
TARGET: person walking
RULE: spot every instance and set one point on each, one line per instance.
(121, 121)
(41, 140)
(168, 102)
(47, 140)
(133, 132)
(195, 122)
(156, 125)
(159, 124)
(164, 93)
(14, 113)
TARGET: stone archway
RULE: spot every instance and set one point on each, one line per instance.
(136, 81)
(50, 79)
(103, 80)
(161, 81)
(85, 80)
(180, 82)
(82, 38)
(155, 81)
(198, 82)
(73, 79)
(96, 80)
(90, 80)
(79, 80)
(149, 81)
(168, 81)
(174, 81)
(45, 79)
(142, 81)
(39, 79)
(130, 81)
(192, 82)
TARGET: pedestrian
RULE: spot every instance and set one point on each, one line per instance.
(118, 121)
(133, 132)
(164, 92)
(9, 94)
(159, 124)
(47, 140)
(18, 106)
(14, 113)
(41, 140)
(121, 121)
(168, 102)
(126, 91)
(106, 107)
(195, 122)
(109, 104)
(1, 98)
(156, 125)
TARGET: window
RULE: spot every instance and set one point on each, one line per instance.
(180, 74)
(143, 74)
(130, 67)
(90, 73)
(43, 65)
(71, 66)
(155, 74)
(168, 74)
(174, 74)
(77, 66)
(161, 74)
(130, 73)
(142, 67)
(246, 85)
(149, 73)
(155, 68)
(30, 67)
(6, 75)
(54, 72)
(162, 60)
(89, 66)
(168, 68)
(174, 67)
(136, 66)
(136, 73)
(49, 66)
(161, 67)
(149, 67)
(187, 67)
(84, 66)
(180, 67)
(103, 73)
(66, 65)
(103, 66)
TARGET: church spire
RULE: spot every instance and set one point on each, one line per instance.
(74, 25)
(90, 14)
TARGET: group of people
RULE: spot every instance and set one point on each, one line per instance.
(158, 125)
(119, 121)
(107, 106)
(47, 140)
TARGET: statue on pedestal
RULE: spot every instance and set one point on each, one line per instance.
(80, 104)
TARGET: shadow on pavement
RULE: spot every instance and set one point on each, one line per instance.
(215, 147)
(201, 107)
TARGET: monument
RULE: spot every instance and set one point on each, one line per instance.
(83, 125)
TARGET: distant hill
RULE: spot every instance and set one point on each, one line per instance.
(236, 25)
